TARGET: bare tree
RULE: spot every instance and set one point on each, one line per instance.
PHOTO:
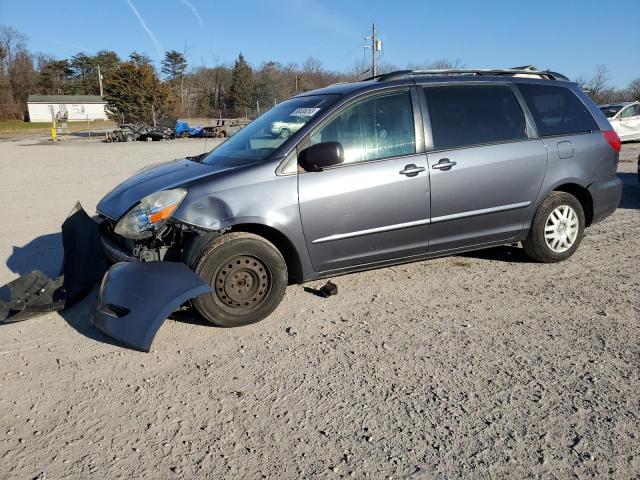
(634, 90)
(438, 64)
(11, 42)
(597, 85)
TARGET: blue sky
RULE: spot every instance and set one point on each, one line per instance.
(571, 37)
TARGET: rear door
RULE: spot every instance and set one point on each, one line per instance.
(375, 206)
(486, 168)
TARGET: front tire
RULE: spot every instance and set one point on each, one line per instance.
(557, 229)
(248, 276)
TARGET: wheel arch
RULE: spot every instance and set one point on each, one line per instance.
(284, 245)
(583, 196)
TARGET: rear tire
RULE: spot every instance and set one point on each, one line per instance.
(248, 276)
(557, 229)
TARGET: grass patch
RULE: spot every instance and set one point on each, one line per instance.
(20, 126)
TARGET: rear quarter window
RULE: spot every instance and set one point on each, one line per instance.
(464, 115)
(557, 110)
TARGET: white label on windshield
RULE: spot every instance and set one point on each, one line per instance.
(304, 112)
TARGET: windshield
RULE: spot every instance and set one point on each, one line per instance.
(611, 110)
(260, 138)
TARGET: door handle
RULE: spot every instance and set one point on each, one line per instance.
(444, 164)
(411, 170)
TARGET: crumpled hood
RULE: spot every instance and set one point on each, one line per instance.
(163, 176)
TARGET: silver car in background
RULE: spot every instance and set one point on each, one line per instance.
(624, 118)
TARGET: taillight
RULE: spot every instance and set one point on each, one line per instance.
(612, 139)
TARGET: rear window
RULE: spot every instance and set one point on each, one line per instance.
(557, 110)
(611, 110)
(465, 115)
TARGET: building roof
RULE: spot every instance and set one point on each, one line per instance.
(65, 99)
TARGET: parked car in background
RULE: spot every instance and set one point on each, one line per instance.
(284, 129)
(624, 118)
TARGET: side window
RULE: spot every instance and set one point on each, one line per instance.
(374, 128)
(557, 110)
(465, 115)
(631, 111)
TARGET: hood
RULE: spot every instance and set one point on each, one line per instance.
(163, 176)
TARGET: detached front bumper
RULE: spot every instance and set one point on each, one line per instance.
(606, 195)
(136, 298)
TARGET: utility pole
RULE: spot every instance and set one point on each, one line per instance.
(100, 80)
(373, 50)
(376, 46)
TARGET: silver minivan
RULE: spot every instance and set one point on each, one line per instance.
(402, 167)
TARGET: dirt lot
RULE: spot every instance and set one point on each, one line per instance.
(476, 366)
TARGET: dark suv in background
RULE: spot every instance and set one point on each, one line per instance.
(401, 167)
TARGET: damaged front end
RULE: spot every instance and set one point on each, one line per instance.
(150, 278)
(148, 281)
(146, 284)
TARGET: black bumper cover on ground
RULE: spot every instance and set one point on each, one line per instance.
(84, 264)
(136, 298)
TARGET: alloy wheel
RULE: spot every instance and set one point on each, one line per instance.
(561, 229)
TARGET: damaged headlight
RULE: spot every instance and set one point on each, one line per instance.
(152, 211)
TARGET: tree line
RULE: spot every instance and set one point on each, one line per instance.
(136, 91)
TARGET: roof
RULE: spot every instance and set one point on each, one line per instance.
(419, 78)
(408, 77)
(65, 99)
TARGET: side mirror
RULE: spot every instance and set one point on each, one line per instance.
(321, 155)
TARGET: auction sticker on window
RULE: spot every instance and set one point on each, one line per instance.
(304, 112)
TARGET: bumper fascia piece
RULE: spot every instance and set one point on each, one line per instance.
(606, 195)
(136, 298)
(84, 264)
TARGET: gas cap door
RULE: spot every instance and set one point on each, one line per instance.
(565, 149)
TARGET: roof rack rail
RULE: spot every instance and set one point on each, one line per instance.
(528, 71)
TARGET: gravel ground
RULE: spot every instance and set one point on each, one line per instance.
(478, 366)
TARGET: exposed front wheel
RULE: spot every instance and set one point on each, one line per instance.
(248, 276)
(556, 230)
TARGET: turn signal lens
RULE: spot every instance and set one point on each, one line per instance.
(162, 214)
(612, 139)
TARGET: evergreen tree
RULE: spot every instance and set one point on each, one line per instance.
(241, 91)
(136, 93)
(174, 65)
(140, 59)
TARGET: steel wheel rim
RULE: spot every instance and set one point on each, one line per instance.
(561, 229)
(241, 284)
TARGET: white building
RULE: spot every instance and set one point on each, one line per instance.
(77, 107)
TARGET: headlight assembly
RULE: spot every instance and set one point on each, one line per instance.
(151, 213)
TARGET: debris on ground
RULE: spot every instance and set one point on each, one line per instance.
(84, 264)
(327, 290)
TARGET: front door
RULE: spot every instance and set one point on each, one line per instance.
(375, 206)
(486, 172)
